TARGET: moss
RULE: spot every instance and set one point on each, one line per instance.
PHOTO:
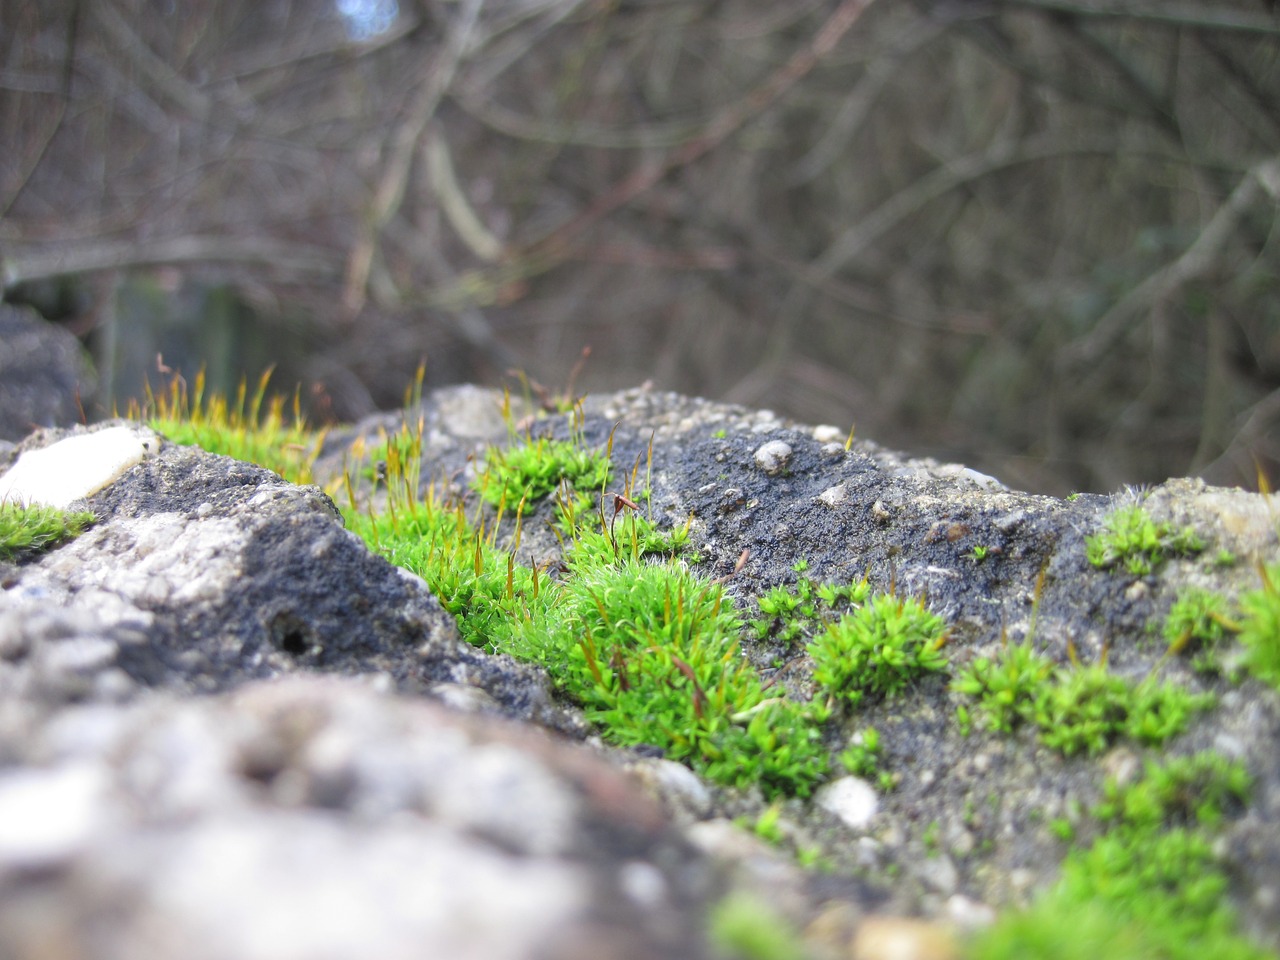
(1078, 709)
(1132, 539)
(1150, 886)
(27, 530)
(746, 928)
(1260, 627)
(878, 649)
(533, 468)
(250, 428)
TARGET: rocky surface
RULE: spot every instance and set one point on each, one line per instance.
(228, 730)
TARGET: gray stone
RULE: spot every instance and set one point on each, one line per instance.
(218, 681)
(773, 457)
(45, 379)
(315, 817)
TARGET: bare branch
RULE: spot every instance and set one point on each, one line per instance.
(390, 192)
(454, 202)
(939, 183)
(631, 137)
(1171, 12)
(288, 258)
(728, 122)
(1194, 262)
(162, 77)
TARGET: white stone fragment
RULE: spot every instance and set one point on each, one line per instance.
(969, 914)
(76, 467)
(851, 799)
(47, 815)
(676, 784)
(834, 495)
(772, 457)
(957, 471)
(826, 433)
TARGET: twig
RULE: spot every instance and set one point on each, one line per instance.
(457, 209)
(1196, 260)
(1185, 14)
(114, 255)
(721, 128)
(164, 79)
(390, 193)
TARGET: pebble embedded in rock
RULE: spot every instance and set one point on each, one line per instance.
(773, 457)
(903, 938)
(851, 799)
(834, 495)
(679, 788)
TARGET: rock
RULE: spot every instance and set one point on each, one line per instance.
(45, 380)
(851, 799)
(834, 495)
(203, 573)
(314, 817)
(903, 938)
(229, 730)
(772, 457)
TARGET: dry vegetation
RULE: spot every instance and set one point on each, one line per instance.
(1036, 235)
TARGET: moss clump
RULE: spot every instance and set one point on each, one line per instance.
(1076, 710)
(27, 530)
(1131, 538)
(790, 614)
(533, 468)
(1150, 886)
(1006, 687)
(746, 928)
(251, 428)
(878, 649)
(1260, 627)
(652, 654)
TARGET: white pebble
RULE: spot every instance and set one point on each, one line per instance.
(834, 495)
(772, 457)
(76, 467)
(851, 799)
(47, 815)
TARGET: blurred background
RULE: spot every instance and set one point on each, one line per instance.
(1035, 236)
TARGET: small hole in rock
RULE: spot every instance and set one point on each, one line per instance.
(292, 635)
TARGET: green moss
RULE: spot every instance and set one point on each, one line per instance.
(1076, 710)
(1131, 538)
(1260, 627)
(652, 655)
(792, 614)
(533, 468)
(250, 428)
(1005, 687)
(1150, 886)
(27, 530)
(746, 928)
(1195, 790)
(878, 649)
